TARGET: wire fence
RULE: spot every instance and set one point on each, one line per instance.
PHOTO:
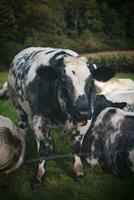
(71, 155)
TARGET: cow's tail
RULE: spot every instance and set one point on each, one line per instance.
(4, 90)
(21, 157)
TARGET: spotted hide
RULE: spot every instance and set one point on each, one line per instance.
(12, 146)
(54, 88)
(109, 142)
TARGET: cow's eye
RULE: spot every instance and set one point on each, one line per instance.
(73, 72)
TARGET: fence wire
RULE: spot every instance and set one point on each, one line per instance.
(70, 155)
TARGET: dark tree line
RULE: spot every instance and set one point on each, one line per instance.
(82, 25)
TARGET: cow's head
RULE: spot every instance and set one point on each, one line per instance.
(76, 89)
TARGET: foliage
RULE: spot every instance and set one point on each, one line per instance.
(121, 63)
(84, 26)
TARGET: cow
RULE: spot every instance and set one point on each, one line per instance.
(123, 95)
(110, 84)
(106, 87)
(117, 90)
(4, 90)
(54, 88)
(12, 146)
(109, 142)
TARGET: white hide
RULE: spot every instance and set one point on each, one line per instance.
(121, 96)
(42, 59)
(5, 122)
(78, 71)
(114, 84)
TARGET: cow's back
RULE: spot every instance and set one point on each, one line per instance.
(117, 140)
(23, 72)
(24, 66)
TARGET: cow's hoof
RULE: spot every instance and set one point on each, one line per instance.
(80, 178)
(36, 184)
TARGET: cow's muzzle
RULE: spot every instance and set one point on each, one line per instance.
(82, 116)
(82, 110)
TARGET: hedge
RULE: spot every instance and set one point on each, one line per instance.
(121, 63)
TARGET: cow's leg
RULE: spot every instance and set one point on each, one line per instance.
(96, 149)
(50, 141)
(23, 119)
(43, 145)
(78, 168)
(78, 136)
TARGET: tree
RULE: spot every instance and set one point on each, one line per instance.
(8, 26)
(113, 22)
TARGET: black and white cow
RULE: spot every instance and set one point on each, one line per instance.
(12, 146)
(117, 90)
(55, 89)
(109, 142)
(122, 95)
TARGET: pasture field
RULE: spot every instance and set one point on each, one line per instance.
(59, 182)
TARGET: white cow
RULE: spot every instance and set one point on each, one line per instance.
(123, 96)
(118, 90)
(12, 146)
(114, 84)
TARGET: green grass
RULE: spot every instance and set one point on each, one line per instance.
(59, 183)
(124, 75)
(3, 77)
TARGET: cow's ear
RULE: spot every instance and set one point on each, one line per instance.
(48, 73)
(92, 67)
(103, 74)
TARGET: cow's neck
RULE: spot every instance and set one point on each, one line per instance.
(99, 105)
(50, 106)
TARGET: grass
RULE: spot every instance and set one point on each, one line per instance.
(3, 77)
(124, 75)
(59, 182)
